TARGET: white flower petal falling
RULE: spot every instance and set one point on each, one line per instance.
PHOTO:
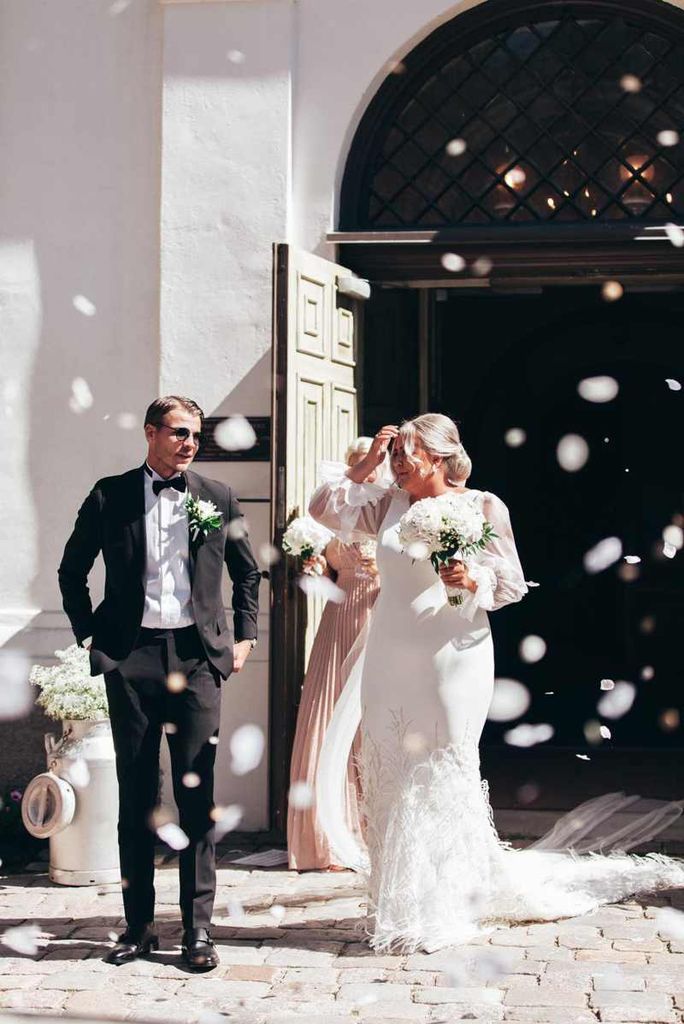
(127, 421)
(602, 555)
(235, 434)
(277, 912)
(237, 528)
(528, 735)
(301, 795)
(673, 385)
(452, 262)
(176, 682)
(583, 757)
(617, 702)
(647, 673)
(456, 147)
(81, 398)
(667, 137)
(246, 748)
(532, 649)
(669, 550)
(226, 819)
(674, 535)
(321, 586)
(23, 939)
(611, 291)
(482, 266)
(632, 559)
(598, 389)
(268, 554)
(191, 780)
(236, 57)
(236, 911)
(607, 684)
(670, 923)
(84, 305)
(510, 700)
(118, 7)
(15, 690)
(572, 453)
(630, 83)
(515, 437)
(173, 835)
(675, 235)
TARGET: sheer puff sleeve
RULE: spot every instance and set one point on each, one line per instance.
(352, 511)
(496, 570)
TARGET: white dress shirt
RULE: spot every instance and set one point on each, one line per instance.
(168, 603)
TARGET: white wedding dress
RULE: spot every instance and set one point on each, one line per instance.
(420, 682)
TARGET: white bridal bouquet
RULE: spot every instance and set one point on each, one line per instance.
(68, 690)
(305, 538)
(444, 527)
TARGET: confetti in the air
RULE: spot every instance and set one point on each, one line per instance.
(81, 397)
(191, 780)
(414, 743)
(301, 795)
(607, 684)
(237, 528)
(572, 453)
(630, 83)
(246, 748)
(127, 421)
(16, 694)
(482, 266)
(226, 819)
(77, 773)
(176, 682)
(515, 437)
(592, 732)
(277, 912)
(670, 923)
(417, 550)
(618, 701)
(611, 291)
(532, 649)
(675, 235)
(24, 939)
(515, 178)
(236, 911)
(647, 673)
(170, 728)
(268, 554)
(632, 559)
(118, 7)
(84, 305)
(321, 586)
(669, 720)
(456, 147)
(673, 385)
(674, 535)
(528, 735)
(606, 734)
(669, 550)
(602, 555)
(236, 57)
(667, 137)
(452, 262)
(583, 757)
(173, 835)
(510, 700)
(235, 434)
(598, 389)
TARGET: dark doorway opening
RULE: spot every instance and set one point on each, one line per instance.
(497, 362)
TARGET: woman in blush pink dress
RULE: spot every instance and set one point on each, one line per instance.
(352, 566)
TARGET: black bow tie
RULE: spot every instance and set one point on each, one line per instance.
(177, 482)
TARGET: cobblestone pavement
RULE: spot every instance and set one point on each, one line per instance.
(298, 953)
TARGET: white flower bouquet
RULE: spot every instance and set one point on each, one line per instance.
(442, 528)
(305, 538)
(68, 690)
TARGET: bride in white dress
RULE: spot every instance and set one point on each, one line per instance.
(438, 874)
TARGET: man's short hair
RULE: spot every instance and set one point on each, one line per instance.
(161, 406)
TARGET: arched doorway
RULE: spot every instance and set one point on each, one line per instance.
(538, 143)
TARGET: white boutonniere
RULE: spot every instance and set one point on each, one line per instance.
(203, 517)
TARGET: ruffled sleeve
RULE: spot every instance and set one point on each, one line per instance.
(352, 511)
(496, 570)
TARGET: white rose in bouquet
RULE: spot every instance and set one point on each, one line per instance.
(444, 527)
(305, 538)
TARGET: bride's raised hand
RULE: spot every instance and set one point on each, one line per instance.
(376, 454)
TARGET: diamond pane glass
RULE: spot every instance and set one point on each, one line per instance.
(532, 120)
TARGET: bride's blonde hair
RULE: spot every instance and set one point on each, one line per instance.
(439, 437)
(359, 446)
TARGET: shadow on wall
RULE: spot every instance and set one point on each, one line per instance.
(83, 189)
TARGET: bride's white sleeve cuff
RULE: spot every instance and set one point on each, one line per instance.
(483, 597)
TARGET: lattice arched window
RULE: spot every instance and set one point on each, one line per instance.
(569, 112)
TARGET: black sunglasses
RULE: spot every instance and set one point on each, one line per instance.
(183, 434)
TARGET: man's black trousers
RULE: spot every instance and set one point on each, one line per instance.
(141, 706)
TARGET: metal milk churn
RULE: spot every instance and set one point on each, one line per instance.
(75, 804)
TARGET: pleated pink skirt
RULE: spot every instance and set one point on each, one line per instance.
(340, 625)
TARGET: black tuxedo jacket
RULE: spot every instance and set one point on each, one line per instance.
(112, 521)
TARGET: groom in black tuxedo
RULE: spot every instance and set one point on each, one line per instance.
(161, 638)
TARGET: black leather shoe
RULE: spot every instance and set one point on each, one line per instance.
(133, 943)
(199, 952)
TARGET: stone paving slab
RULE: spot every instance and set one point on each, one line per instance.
(307, 961)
